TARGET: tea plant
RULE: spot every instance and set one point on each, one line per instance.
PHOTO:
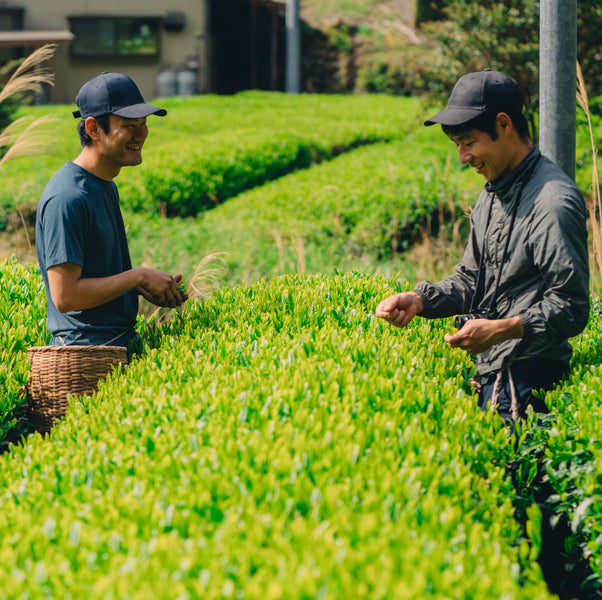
(23, 314)
(210, 148)
(571, 455)
(275, 441)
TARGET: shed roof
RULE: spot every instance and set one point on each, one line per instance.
(35, 38)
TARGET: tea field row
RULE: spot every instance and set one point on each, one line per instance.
(274, 441)
(361, 210)
(209, 148)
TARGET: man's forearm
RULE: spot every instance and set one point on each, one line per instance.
(71, 292)
(509, 329)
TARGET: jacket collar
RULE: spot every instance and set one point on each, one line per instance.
(505, 187)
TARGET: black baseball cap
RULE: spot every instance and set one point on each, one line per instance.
(113, 93)
(479, 92)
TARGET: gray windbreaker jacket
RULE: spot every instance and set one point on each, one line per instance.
(545, 275)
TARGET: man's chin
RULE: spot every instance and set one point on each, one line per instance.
(134, 161)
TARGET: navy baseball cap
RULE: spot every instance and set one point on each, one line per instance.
(113, 93)
(479, 92)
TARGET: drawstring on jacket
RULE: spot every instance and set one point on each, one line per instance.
(495, 394)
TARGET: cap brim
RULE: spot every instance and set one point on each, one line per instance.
(139, 111)
(454, 116)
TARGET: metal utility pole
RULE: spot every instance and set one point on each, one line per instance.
(557, 82)
(293, 47)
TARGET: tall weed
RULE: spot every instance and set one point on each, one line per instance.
(595, 205)
(25, 135)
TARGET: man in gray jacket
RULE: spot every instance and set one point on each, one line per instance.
(522, 287)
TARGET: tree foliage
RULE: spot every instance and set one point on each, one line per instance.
(589, 25)
(472, 36)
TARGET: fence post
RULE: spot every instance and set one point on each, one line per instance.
(293, 47)
(558, 82)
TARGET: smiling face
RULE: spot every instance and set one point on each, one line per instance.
(486, 156)
(122, 145)
(490, 157)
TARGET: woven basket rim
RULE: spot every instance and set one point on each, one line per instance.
(74, 348)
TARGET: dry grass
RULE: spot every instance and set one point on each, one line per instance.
(26, 135)
(299, 249)
(438, 252)
(208, 276)
(29, 76)
(595, 207)
(441, 249)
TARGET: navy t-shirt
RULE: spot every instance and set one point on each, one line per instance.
(79, 221)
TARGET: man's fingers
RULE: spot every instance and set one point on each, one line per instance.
(388, 307)
(399, 318)
(384, 309)
(449, 338)
(454, 339)
(398, 310)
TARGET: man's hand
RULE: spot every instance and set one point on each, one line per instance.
(161, 289)
(478, 335)
(400, 309)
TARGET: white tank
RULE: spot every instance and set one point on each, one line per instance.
(166, 84)
(186, 83)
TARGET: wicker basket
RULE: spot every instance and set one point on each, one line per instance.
(59, 371)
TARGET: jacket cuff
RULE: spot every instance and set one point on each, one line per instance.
(423, 291)
(527, 328)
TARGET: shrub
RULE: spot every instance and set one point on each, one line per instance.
(23, 313)
(209, 148)
(279, 442)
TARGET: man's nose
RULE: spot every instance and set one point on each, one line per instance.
(463, 155)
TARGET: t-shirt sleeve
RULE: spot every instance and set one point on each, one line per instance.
(64, 222)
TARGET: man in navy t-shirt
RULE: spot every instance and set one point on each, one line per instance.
(91, 287)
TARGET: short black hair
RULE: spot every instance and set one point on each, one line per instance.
(486, 122)
(103, 122)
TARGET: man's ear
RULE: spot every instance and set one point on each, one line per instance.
(504, 122)
(92, 127)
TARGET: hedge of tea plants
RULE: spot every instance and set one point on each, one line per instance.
(23, 317)
(275, 441)
(209, 148)
(570, 455)
(360, 210)
(219, 165)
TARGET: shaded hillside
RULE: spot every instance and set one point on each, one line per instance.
(362, 46)
(368, 12)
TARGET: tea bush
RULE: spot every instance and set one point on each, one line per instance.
(23, 315)
(275, 441)
(570, 451)
(210, 148)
